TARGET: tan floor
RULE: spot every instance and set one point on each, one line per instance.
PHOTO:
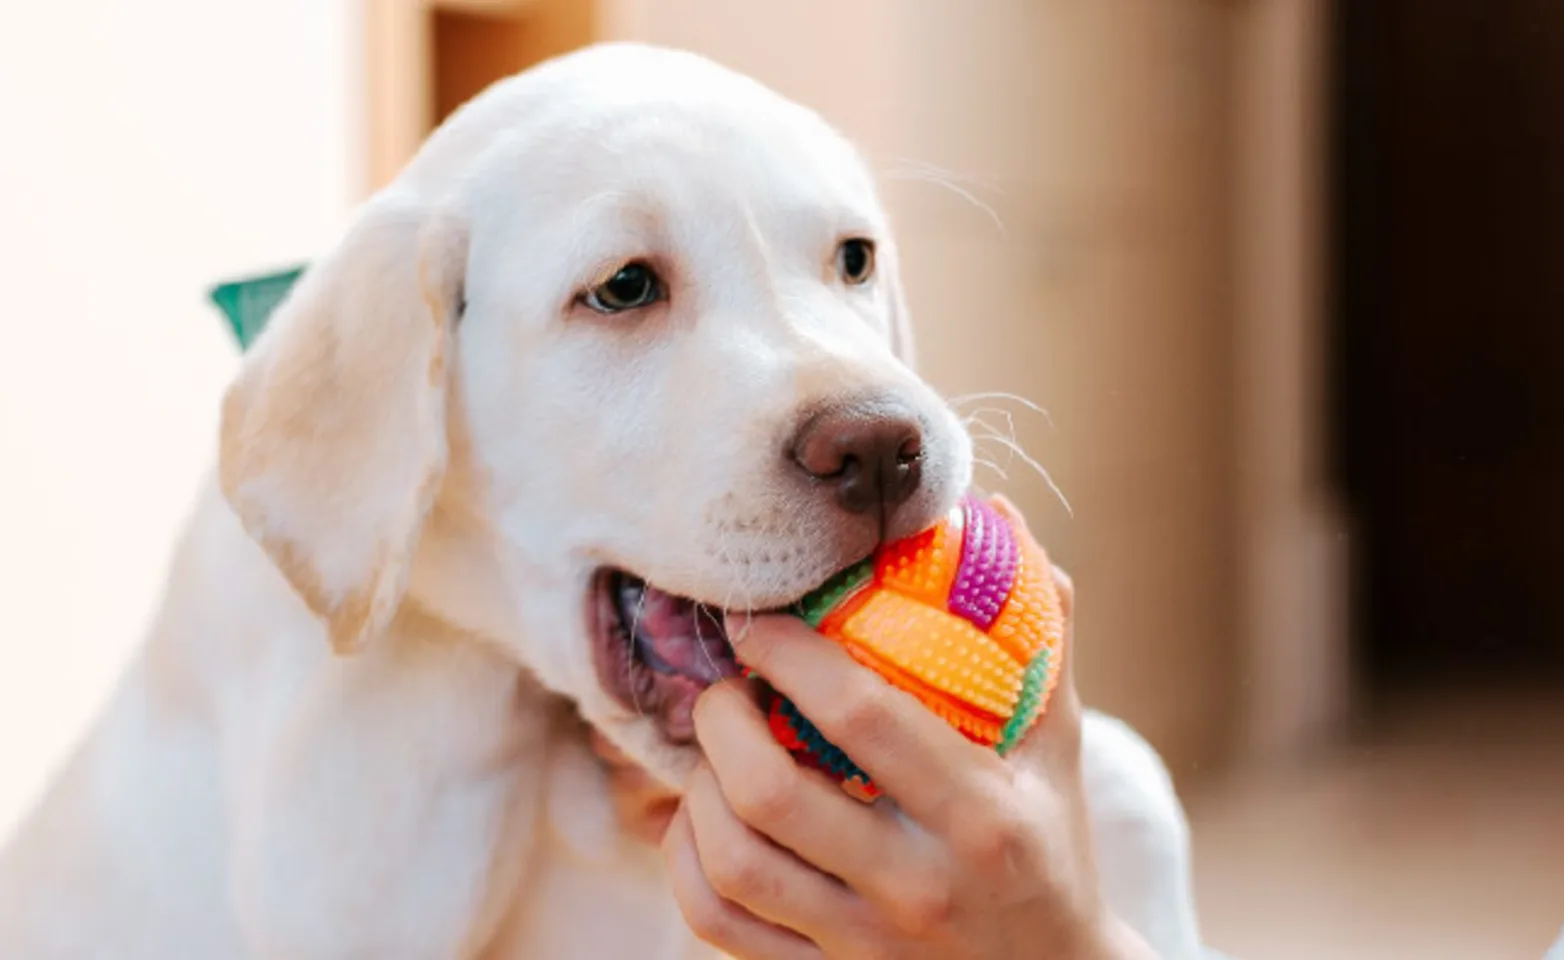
(1438, 837)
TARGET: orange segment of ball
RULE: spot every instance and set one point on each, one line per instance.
(1030, 619)
(945, 652)
(978, 725)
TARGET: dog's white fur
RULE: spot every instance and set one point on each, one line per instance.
(423, 461)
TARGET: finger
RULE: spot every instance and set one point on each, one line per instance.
(865, 847)
(749, 871)
(726, 926)
(1055, 742)
(1066, 586)
(918, 759)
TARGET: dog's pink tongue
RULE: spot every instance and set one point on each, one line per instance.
(683, 638)
(678, 695)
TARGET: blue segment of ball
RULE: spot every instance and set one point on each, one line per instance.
(824, 751)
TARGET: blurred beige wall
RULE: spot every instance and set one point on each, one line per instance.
(150, 148)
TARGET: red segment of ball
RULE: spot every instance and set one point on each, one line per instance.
(924, 566)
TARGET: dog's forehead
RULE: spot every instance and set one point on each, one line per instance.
(610, 79)
(680, 153)
(627, 116)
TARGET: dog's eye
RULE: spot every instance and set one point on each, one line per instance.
(632, 285)
(855, 260)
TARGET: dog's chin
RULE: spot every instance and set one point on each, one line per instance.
(641, 739)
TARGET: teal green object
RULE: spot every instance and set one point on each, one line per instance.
(249, 303)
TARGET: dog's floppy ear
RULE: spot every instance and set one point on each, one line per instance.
(333, 435)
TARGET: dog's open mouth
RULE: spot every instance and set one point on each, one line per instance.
(655, 652)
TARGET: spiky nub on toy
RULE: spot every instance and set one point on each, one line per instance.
(964, 616)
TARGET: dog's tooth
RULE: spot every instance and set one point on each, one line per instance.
(631, 592)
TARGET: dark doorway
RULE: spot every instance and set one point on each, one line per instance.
(1449, 335)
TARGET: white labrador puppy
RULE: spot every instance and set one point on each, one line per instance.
(624, 336)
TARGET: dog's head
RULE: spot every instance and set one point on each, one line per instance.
(624, 347)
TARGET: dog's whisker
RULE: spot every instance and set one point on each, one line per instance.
(983, 462)
(1041, 471)
(957, 402)
(927, 173)
(989, 433)
(1010, 420)
(734, 583)
(749, 606)
(989, 457)
(976, 420)
(703, 612)
(1014, 451)
(701, 608)
(989, 429)
(912, 166)
(723, 539)
(979, 430)
(1009, 432)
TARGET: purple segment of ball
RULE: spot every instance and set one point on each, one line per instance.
(990, 557)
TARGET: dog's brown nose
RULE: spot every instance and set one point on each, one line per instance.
(870, 453)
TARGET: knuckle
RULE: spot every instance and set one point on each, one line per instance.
(997, 840)
(866, 712)
(735, 871)
(709, 920)
(768, 797)
(924, 908)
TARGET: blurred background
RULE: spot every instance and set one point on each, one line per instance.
(1286, 277)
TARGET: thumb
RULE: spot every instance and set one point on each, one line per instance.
(1054, 742)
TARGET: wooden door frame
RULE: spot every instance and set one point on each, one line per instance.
(401, 70)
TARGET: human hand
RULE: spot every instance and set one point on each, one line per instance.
(977, 856)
